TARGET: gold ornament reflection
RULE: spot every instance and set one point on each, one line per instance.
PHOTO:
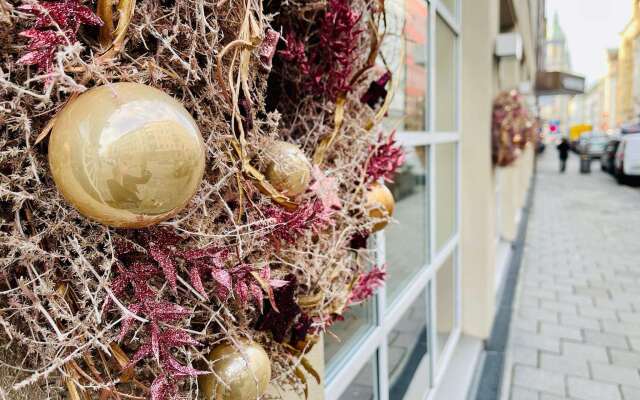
(380, 203)
(240, 373)
(126, 155)
(288, 169)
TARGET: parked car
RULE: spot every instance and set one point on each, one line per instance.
(627, 160)
(595, 145)
(608, 156)
(592, 144)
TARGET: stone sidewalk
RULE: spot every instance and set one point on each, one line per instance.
(575, 331)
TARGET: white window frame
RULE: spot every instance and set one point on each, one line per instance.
(373, 346)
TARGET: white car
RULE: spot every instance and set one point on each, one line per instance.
(627, 160)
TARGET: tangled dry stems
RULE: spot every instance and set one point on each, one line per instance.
(56, 266)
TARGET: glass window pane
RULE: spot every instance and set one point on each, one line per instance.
(407, 36)
(451, 6)
(446, 187)
(345, 334)
(407, 239)
(408, 353)
(445, 302)
(364, 385)
(446, 68)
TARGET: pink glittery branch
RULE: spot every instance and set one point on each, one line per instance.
(385, 159)
(57, 23)
(268, 48)
(367, 284)
(289, 225)
(327, 66)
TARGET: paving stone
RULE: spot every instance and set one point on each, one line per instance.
(578, 321)
(632, 317)
(584, 389)
(544, 396)
(540, 293)
(630, 393)
(538, 314)
(595, 312)
(535, 341)
(564, 365)
(580, 351)
(559, 331)
(575, 299)
(518, 393)
(635, 343)
(529, 300)
(613, 304)
(558, 306)
(527, 325)
(524, 355)
(537, 379)
(625, 358)
(623, 328)
(605, 339)
(616, 374)
(591, 291)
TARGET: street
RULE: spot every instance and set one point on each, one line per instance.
(575, 332)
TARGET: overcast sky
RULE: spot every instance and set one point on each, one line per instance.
(591, 27)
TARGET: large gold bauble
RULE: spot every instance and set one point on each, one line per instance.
(245, 371)
(288, 169)
(380, 204)
(126, 155)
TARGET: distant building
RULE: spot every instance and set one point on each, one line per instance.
(556, 58)
(594, 105)
(610, 89)
(628, 82)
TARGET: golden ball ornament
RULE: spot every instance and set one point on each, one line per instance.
(380, 204)
(288, 169)
(240, 373)
(126, 155)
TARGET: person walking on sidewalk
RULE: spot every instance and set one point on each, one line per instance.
(563, 153)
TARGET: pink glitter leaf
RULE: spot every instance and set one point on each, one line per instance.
(143, 352)
(177, 337)
(256, 293)
(242, 292)
(162, 389)
(128, 321)
(155, 340)
(225, 283)
(385, 159)
(177, 370)
(164, 259)
(289, 225)
(367, 284)
(268, 48)
(52, 19)
(326, 189)
(196, 281)
(327, 66)
(164, 311)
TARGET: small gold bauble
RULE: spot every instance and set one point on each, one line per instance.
(380, 204)
(126, 155)
(288, 169)
(242, 373)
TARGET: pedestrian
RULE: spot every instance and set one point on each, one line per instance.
(563, 153)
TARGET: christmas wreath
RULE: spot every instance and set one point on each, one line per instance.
(186, 191)
(512, 128)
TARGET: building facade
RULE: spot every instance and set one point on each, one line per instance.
(628, 82)
(610, 89)
(556, 57)
(423, 335)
